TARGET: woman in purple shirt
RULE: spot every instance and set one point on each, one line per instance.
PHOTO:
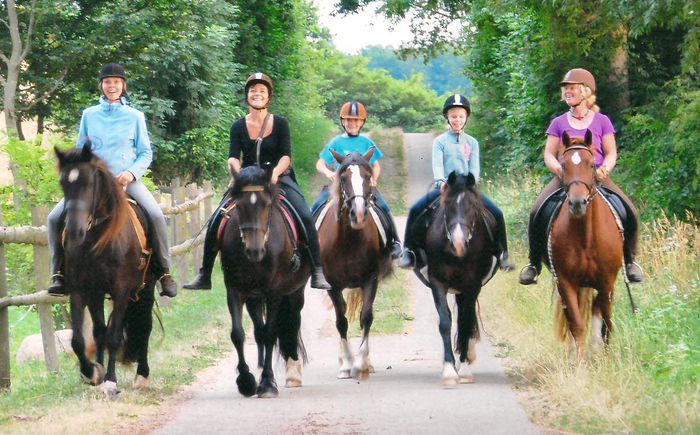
(578, 92)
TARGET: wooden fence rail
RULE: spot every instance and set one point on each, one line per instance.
(185, 208)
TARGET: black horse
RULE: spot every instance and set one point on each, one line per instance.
(106, 254)
(460, 253)
(264, 271)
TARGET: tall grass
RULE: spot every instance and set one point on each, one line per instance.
(647, 379)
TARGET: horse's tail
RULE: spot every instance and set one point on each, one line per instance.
(467, 324)
(289, 329)
(355, 302)
(585, 306)
(138, 323)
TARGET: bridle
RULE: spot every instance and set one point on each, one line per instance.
(254, 226)
(592, 189)
(346, 201)
(462, 221)
(81, 205)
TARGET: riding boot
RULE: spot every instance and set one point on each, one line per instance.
(318, 279)
(57, 287)
(529, 273)
(393, 239)
(504, 262)
(203, 279)
(167, 284)
(633, 270)
(407, 259)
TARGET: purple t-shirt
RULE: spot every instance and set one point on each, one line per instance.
(600, 126)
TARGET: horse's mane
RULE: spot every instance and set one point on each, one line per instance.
(111, 194)
(252, 176)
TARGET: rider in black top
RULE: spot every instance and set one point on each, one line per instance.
(275, 149)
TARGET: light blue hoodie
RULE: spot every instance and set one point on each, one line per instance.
(118, 135)
(455, 152)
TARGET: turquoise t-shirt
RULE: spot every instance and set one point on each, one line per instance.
(344, 145)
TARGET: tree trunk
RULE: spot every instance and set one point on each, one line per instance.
(619, 73)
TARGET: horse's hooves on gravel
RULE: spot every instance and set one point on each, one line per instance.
(292, 383)
(344, 374)
(246, 384)
(141, 383)
(360, 375)
(450, 383)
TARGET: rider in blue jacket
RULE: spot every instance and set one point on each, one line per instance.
(118, 135)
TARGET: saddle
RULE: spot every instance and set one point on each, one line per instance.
(549, 210)
(381, 220)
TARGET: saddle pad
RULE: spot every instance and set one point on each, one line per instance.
(322, 214)
(378, 224)
(291, 224)
(138, 228)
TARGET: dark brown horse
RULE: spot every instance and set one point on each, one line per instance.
(104, 257)
(461, 258)
(264, 272)
(353, 256)
(585, 249)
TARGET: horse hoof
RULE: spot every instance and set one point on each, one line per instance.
(344, 374)
(246, 384)
(294, 374)
(450, 383)
(141, 383)
(466, 379)
(360, 375)
(268, 392)
(109, 390)
(98, 375)
(292, 383)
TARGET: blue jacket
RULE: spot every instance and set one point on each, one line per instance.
(455, 152)
(344, 145)
(118, 135)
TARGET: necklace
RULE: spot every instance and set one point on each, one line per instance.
(573, 115)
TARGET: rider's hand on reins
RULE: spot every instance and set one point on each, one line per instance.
(125, 178)
(601, 174)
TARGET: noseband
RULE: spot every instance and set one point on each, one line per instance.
(592, 189)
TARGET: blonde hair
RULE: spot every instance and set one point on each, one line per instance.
(587, 94)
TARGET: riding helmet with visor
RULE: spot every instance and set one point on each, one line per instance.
(456, 100)
(256, 78)
(112, 70)
(579, 75)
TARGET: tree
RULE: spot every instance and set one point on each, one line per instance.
(21, 43)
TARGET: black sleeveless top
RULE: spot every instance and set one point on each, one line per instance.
(275, 146)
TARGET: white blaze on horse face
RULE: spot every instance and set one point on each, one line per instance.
(253, 198)
(576, 159)
(73, 175)
(356, 181)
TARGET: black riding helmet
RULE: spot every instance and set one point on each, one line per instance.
(112, 70)
(456, 100)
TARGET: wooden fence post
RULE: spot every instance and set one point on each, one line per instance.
(208, 210)
(4, 324)
(42, 278)
(181, 233)
(195, 225)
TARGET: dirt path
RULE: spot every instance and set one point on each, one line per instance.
(403, 396)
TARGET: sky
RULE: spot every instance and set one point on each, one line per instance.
(354, 32)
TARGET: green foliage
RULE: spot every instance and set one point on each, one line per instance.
(444, 74)
(409, 105)
(661, 160)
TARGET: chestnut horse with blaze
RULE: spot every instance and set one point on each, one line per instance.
(353, 255)
(585, 249)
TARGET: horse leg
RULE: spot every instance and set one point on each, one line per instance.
(267, 387)
(570, 304)
(345, 360)
(361, 367)
(139, 324)
(602, 317)
(255, 310)
(245, 381)
(115, 333)
(450, 378)
(467, 332)
(89, 371)
(289, 338)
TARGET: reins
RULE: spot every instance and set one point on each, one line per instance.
(259, 139)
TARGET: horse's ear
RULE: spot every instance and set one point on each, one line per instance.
(588, 138)
(268, 168)
(451, 178)
(60, 155)
(565, 139)
(338, 157)
(368, 155)
(86, 152)
(471, 181)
